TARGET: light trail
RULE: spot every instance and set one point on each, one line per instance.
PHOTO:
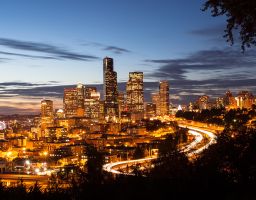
(197, 140)
(108, 167)
(196, 132)
(212, 139)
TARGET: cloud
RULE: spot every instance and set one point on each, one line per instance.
(25, 55)
(21, 84)
(113, 49)
(54, 52)
(209, 31)
(116, 50)
(8, 110)
(205, 61)
(209, 72)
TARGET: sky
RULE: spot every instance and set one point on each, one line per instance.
(47, 45)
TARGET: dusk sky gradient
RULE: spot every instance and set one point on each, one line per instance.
(46, 45)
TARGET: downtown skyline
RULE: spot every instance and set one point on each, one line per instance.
(47, 46)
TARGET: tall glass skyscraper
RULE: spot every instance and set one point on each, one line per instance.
(110, 89)
(46, 108)
(46, 114)
(80, 99)
(70, 102)
(164, 97)
(134, 91)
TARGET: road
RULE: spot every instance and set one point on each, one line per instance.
(190, 149)
(29, 180)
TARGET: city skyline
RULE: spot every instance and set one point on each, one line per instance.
(48, 46)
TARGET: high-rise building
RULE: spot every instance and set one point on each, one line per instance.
(47, 117)
(155, 98)
(92, 104)
(203, 102)
(150, 110)
(70, 102)
(89, 91)
(220, 102)
(164, 100)
(135, 94)
(73, 101)
(101, 111)
(121, 103)
(229, 101)
(80, 99)
(110, 89)
(245, 99)
(46, 108)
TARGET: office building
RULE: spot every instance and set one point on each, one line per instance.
(155, 98)
(70, 102)
(203, 102)
(164, 100)
(150, 110)
(245, 99)
(47, 117)
(110, 90)
(121, 103)
(92, 104)
(135, 95)
(46, 108)
(80, 99)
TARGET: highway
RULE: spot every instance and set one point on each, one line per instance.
(29, 180)
(190, 149)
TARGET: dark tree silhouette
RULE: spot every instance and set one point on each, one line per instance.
(94, 165)
(138, 153)
(241, 15)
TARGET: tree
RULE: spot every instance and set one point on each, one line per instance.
(138, 153)
(241, 15)
(94, 165)
(171, 163)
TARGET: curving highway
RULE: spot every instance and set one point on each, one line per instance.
(190, 149)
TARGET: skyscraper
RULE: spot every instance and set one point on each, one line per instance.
(73, 101)
(245, 99)
(70, 102)
(203, 102)
(135, 93)
(164, 98)
(46, 108)
(150, 110)
(80, 99)
(46, 114)
(229, 101)
(110, 89)
(89, 91)
(155, 98)
(121, 103)
(92, 103)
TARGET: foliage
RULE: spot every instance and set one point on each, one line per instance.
(171, 163)
(139, 153)
(240, 15)
(153, 125)
(208, 116)
(94, 165)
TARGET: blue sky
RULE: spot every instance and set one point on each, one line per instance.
(48, 43)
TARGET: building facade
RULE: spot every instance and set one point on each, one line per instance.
(164, 100)
(70, 102)
(47, 116)
(46, 108)
(110, 89)
(80, 99)
(135, 94)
